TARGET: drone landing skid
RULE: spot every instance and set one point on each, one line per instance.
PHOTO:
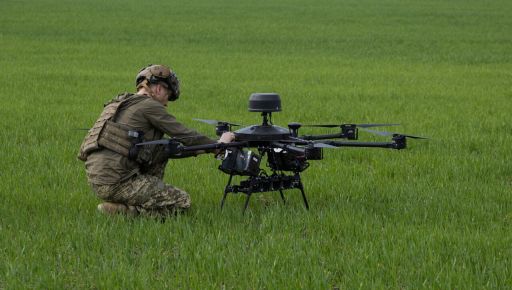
(260, 183)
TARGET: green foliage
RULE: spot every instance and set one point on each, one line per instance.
(438, 215)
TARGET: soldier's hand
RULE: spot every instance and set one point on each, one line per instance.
(227, 137)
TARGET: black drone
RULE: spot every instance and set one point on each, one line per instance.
(287, 153)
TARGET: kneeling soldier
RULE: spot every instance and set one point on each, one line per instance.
(128, 177)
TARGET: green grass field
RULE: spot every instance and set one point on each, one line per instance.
(437, 215)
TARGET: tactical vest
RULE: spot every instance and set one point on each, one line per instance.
(105, 133)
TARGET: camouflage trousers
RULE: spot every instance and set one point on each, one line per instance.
(148, 193)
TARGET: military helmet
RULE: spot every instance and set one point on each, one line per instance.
(155, 74)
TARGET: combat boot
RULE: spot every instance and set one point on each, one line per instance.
(110, 208)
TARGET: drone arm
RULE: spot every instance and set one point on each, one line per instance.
(176, 150)
(212, 146)
(395, 144)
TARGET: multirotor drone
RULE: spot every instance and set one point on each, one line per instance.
(287, 153)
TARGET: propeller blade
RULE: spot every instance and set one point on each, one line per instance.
(165, 141)
(375, 125)
(298, 139)
(357, 125)
(322, 126)
(323, 145)
(315, 144)
(214, 122)
(384, 133)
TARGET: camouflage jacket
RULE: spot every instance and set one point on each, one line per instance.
(149, 116)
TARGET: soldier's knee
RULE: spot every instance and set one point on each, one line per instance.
(184, 201)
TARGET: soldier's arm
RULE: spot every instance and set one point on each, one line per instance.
(157, 115)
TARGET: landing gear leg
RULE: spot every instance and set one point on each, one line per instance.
(226, 191)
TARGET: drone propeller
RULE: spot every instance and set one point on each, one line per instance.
(215, 122)
(384, 133)
(357, 125)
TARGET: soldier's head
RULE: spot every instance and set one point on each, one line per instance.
(158, 77)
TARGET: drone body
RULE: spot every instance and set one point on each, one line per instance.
(286, 152)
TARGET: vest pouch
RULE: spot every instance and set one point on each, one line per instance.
(91, 140)
(115, 137)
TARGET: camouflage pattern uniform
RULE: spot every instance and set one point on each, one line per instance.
(147, 193)
(115, 178)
